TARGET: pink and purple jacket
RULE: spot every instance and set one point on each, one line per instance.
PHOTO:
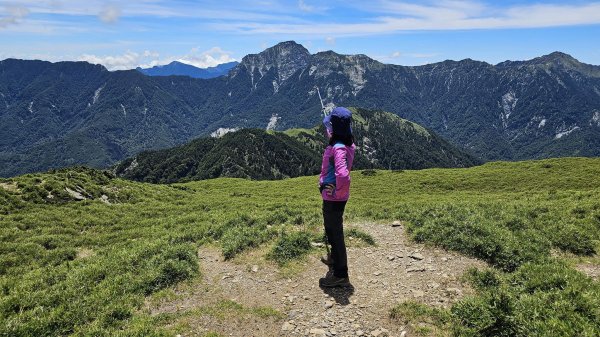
(335, 170)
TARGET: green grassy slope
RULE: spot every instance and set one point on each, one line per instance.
(84, 267)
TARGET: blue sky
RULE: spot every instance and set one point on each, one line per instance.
(126, 34)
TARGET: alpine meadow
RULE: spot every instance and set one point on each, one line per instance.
(86, 267)
(285, 168)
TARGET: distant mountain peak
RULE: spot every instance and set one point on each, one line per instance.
(184, 69)
(557, 57)
(287, 57)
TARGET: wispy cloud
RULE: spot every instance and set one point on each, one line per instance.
(110, 14)
(437, 15)
(305, 7)
(13, 15)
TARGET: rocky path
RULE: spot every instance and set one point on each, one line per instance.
(394, 271)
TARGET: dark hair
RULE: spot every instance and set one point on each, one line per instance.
(346, 140)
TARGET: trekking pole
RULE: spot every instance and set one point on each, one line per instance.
(324, 231)
(321, 100)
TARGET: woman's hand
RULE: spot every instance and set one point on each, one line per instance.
(330, 188)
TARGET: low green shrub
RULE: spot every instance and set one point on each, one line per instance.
(547, 299)
(291, 246)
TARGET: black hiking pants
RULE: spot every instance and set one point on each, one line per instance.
(333, 214)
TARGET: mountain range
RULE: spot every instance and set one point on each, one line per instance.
(183, 69)
(383, 141)
(66, 113)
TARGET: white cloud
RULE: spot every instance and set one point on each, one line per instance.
(13, 16)
(148, 59)
(129, 60)
(110, 14)
(396, 54)
(207, 58)
(330, 40)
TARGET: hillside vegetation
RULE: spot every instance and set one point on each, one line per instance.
(84, 267)
(73, 113)
(383, 140)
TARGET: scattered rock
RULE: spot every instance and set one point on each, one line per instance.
(328, 304)
(403, 333)
(317, 244)
(226, 277)
(360, 333)
(381, 332)
(416, 256)
(287, 326)
(415, 269)
(104, 199)
(418, 293)
(75, 195)
(377, 273)
(254, 268)
(317, 331)
(396, 224)
(453, 291)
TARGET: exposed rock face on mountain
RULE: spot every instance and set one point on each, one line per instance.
(67, 113)
(383, 141)
(285, 59)
(183, 69)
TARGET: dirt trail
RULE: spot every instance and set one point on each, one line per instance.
(394, 271)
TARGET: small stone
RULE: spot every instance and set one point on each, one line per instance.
(415, 269)
(317, 331)
(396, 223)
(360, 333)
(403, 333)
(104, 199)
(226, 277)
(293, 314)
(328, 304)
(454, 291)
(254, 268)
(381, 332)
(391, 258)
(416, 256)
(333, 332)
(377, 273)
(444, 259)
(287, 326)
(418, 293)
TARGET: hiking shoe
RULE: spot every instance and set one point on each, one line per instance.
(331, 281)
(326, 259)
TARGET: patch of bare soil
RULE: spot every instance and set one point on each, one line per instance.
(590, 269)
(394, 271)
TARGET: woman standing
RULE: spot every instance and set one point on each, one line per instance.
(334, 185)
